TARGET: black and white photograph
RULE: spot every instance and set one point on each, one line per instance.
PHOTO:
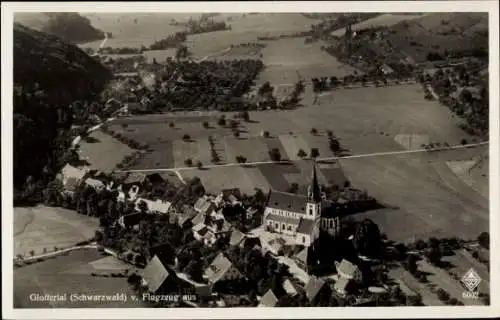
(258, 159)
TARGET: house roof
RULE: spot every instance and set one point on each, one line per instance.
(289, 287)
(313, 287)
(306, 226)
(303, 255)
(236, 237)
(204, 205)
(287, 201)
(346, 268)
(282, 219)
(198, 218)
(134, 177)
(187, 214)
(158, 205)
(269, 299)
(71, 184)
(198, 227)
(155, 274)
(341, 284)
(218, 268)
(96, 184)
(68, 171)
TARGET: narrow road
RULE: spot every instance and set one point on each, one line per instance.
(377, 154)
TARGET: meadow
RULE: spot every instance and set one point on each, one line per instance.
(38, 228)
(71, 274)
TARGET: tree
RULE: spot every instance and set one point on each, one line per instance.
(301, 153)
(265, 134)
(241, 159)
(314, 131)
(484, 240)
(334, 145)
(414, 300)
(171, 124)
(32, 252)
(186, 137)
(443, 295)
(329, 133)
(188, 162)
(367, 238)
(275, 154)
(182, 52)
(245, 116)
(199, 164)
(314, 153)
(222, 120)
(236, 134)
(206, 125)
(411, 264)
(434, 256)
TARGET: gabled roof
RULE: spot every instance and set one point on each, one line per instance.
(346, 268)
(134, 177)
(94, 183)
(289, 287)
(313, 287)
(160, 206)
(155, 274)
(236, 237)
(306, 226)
(341, 284)
(287, 201)
(218, 268)
(187, 214)
(282, 219)
(68, 171)
(303, 256)
(269, 299)
(204, 205)
(199, 218)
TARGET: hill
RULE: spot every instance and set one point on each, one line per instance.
(69, 26)
(49, 75)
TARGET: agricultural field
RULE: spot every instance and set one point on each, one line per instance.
(429, 298)
(383, 20)
(442, 279)
(285, 57)
(98, 144)
(462, 261)
(426, 203)
(36, 228)
(69, 274)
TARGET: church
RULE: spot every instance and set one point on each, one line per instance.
(299, 216)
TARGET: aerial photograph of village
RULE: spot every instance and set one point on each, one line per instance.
(218, 160)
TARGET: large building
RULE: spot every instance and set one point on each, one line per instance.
(300, 216)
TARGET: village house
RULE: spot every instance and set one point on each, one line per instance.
(204, 205)
(71, 178)
(300, 216)
(204, 234)
(236, 238)
(348, 270)
(269, 299)
(343, 286)
(290, 287)
(157, 206)
(222, 269)
(304, 259)
(97, 185)
(185, 216)
(155, 275)
(317, 289)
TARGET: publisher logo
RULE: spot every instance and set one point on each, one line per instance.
(471, 281)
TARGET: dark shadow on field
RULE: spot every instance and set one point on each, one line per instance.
(252, 121)
(89, 139)
(80, 162)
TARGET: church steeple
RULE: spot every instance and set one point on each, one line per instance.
(314, 192)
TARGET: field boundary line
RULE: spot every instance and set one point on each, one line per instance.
(366, 155)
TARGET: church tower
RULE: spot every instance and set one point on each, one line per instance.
(313, 205)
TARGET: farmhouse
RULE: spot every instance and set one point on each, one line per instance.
(155, 274)
(97, 185)
(204, 205)
(71, 178)
(348, 270)
(316, 288)
(221, 269)
(269, 299)
(300, 216)
(158, 206)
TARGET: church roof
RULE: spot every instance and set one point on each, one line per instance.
(282, 219)
(287, 201)
(306, 226)
(314, 187)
